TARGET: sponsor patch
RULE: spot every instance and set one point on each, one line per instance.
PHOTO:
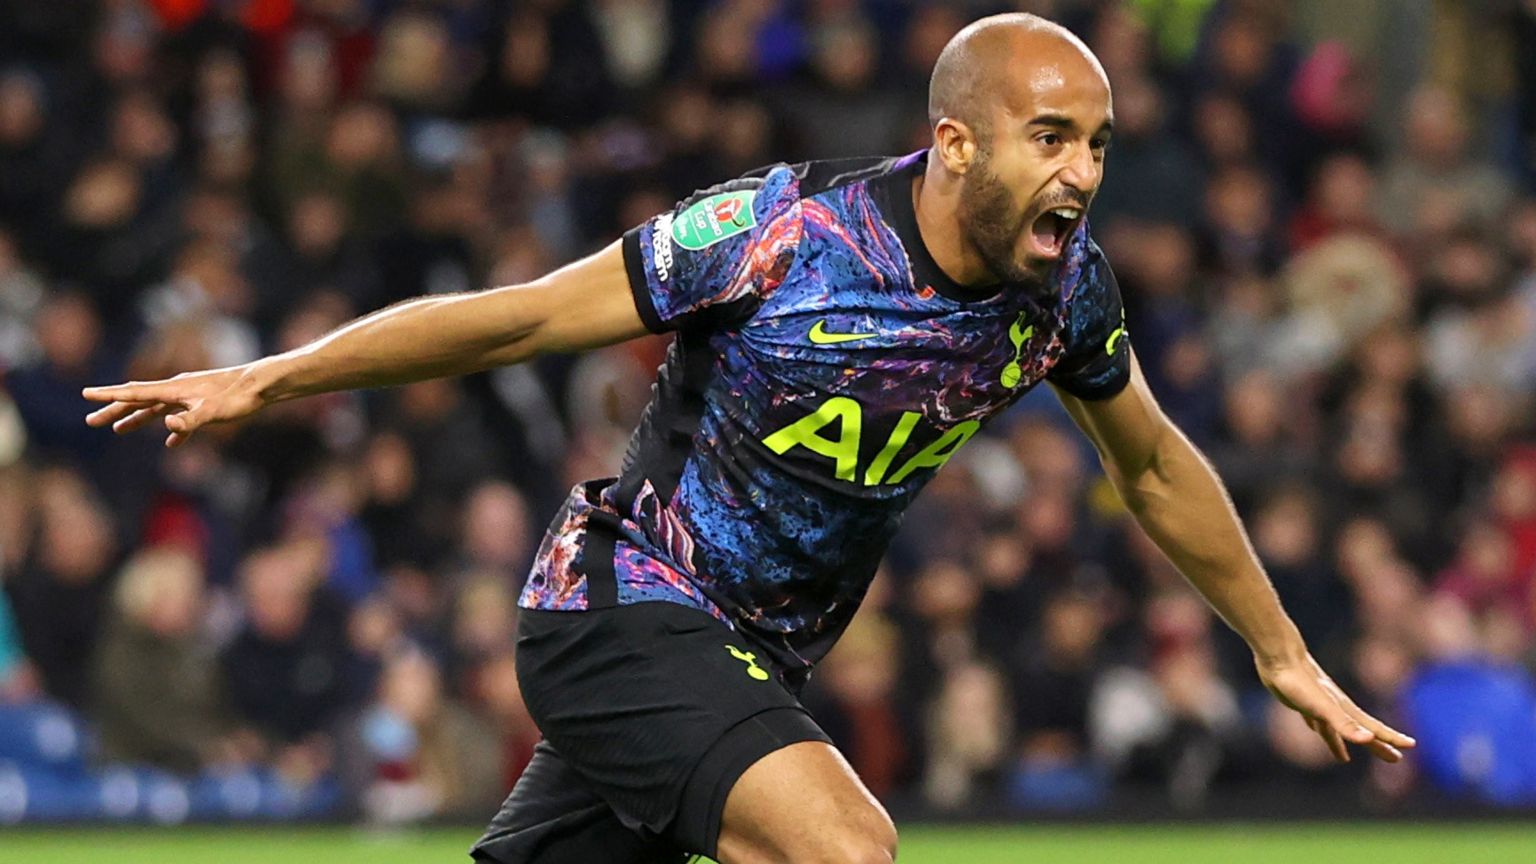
(707, 222)
(661, 247)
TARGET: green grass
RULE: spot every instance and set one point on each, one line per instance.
(1225, 844)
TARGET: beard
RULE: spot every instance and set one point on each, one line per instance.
(993, 224)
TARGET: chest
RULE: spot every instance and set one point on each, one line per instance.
(880, 389)
(895, 355)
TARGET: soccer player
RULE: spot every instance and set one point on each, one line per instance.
(842, 329)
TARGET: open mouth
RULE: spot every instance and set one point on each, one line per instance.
(1049, 232)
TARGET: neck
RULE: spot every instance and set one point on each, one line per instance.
(936, 200)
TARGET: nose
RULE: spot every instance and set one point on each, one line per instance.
(1082, 171)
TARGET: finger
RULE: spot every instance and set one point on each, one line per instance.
(1351, 730)
(114, 412)
(1330, 738)
(1385, 734)
(140, 417)
(1334, 741)
(1338, 717)
(134, 392)
(1358, 727)
(1385, 752)
(1382, 731)
(187, 422)
(1323, 709)
(182, 424)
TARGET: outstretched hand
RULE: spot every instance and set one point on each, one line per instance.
(1306, 689)
(188, 402)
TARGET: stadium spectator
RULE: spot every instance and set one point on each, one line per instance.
(22, 293)
(424, 753)
(496, 537)
(283, 669)
(842, 108)
(1174, 723)
(495, 693)
(1054, 678)
(968, 736)
(1338, 201)
(68, 332)
(1435, 168)
(483, 618)
(1156, 177)
(59, 590)
(859, 704)
(157, 694)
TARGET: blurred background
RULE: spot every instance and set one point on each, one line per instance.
(1322, 214)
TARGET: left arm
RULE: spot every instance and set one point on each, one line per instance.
(1177, 498)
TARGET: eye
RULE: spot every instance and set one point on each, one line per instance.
(1050, 139)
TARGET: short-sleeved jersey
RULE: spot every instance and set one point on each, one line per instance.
(824, 369)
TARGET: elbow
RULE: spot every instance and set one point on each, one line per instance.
(519, 346)
(1140, 494)
(526, 336)
(1146, 484)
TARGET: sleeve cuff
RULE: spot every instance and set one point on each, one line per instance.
(639, 285)
(1096, 391)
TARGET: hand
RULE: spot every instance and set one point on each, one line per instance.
(188, 401)
(1306, 689)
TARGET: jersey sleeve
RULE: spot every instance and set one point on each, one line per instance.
(717, 251)
(1097, 360)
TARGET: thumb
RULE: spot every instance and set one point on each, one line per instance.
(185, 422)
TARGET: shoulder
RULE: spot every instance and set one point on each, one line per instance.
(825, 175)
(773, 192)
(757, 193)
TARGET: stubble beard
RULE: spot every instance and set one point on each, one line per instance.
(988, 218)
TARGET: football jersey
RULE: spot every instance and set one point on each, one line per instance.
(823, 369)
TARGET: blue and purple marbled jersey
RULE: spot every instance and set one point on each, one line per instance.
(824, 369)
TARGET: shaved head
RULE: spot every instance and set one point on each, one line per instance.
(972, 73)
(1021, 114)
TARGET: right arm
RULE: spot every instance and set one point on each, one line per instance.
(583, 305)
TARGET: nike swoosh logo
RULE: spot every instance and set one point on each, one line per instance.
(820, 336)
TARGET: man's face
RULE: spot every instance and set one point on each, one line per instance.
(1038, 164)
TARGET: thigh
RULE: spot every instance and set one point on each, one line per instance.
(551, 817)
(635, 697)
(701, 812)
(804, 803)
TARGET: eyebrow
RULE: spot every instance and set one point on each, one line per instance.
(1067, 124)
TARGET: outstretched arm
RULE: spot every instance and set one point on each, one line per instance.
(583, 305)
(1177, 498)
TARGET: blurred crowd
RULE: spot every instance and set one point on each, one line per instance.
(1323, 220)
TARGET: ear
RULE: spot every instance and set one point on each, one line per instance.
(955, 143)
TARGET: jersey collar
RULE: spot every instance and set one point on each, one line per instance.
(894, 194)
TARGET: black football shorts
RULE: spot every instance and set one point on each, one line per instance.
(650, 712)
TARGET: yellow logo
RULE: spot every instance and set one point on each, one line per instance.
(1114, 339)
(754, 671)
(820, 336)
(1013, 372)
